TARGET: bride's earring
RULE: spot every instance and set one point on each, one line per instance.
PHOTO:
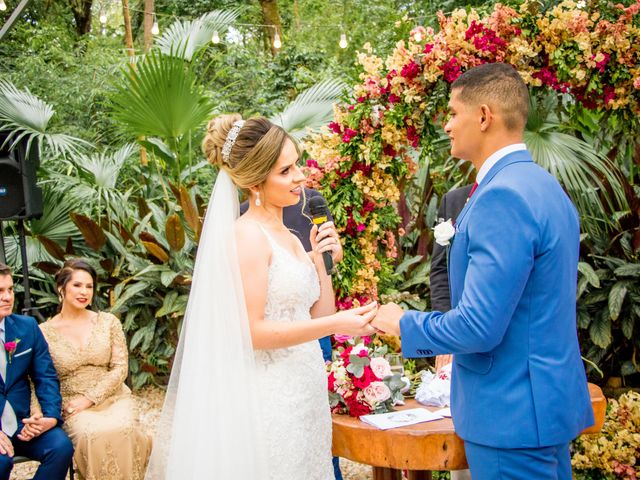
(258, 202)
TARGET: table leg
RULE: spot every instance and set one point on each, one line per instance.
(419, 475)
(380, 473)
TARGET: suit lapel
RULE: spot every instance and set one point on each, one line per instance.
(515, 157)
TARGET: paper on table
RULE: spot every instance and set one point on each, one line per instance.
(402, 418)
(445, 412)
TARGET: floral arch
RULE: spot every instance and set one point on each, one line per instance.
(362, 160)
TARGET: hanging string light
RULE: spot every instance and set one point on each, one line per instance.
(215, 38)
(103, 16)
(343, 40)
(276, 41)
(155, 29)
(3, 6)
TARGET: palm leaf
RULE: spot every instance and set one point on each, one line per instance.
(312, 109)
(25, 115)
(55, 225)
(184, 38)
(160, 97)
(592, 181)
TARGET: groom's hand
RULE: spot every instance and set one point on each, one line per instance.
(388, 319)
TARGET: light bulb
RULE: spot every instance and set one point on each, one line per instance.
(215, 38)
(418, 36)
(3, 6)
(343, 40)
(155, 30)
(276, 41)
(103, 17)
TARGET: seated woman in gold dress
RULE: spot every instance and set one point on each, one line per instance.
(90, 354)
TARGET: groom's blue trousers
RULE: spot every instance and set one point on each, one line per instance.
(325, 344)
(544, 463)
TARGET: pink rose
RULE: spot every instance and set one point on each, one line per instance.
(377, 392)
(10, 346)
(380, 367)
(342, 338)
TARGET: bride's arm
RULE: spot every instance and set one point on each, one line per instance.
(254, 257)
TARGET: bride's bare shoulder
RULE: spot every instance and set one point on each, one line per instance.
(249, 236)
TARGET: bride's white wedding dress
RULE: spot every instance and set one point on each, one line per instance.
(294, 408)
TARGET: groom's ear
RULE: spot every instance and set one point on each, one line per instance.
(486, 117)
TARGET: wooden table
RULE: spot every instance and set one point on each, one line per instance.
(417, 448)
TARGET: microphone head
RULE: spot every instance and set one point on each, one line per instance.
(318, 206)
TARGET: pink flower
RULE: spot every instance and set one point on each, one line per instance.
(428, 47)
(410, 70)
(393, 98)
(349, 133)
(377, 392)
(335, 127)
(10, 347)
(380, 367)
(342, 338)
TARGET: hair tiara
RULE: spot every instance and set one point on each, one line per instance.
(231, 140)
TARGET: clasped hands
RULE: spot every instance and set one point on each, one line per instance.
(34, 426)
(371, 318)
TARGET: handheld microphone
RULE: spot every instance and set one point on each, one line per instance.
(319, 215)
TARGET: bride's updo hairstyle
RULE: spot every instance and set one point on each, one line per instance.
(254, 152)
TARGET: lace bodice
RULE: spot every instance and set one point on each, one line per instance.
(292, 380)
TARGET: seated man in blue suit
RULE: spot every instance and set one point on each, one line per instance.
(519, 390)
(26, 356)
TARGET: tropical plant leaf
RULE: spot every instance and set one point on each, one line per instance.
(91, 231)
(312, 109)
(157, 251)
(628, 270)
(175, 232)
(160, 97)
(600, 330)
(189, 210)
(52, 247)
(616, 298)
(589, 274)
(627, 323)
(183, 38)
(593, 182)
(25, 115)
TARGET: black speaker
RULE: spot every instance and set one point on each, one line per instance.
(20, 197)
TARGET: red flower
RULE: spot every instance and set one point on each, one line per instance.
(312, 163)
(335, 127)
(10, 347)
(332, 380)
(367, 377)
(412, 136)
(388, 150)
(349, 133)
(410, 70)
(356, 408)
(393, 98)
(451, 70)
(428, 47)
(361, 99)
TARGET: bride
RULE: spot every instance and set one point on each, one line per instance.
(247, 398)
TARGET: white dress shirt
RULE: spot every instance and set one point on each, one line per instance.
(495, 157)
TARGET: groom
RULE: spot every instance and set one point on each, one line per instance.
(26, 356)
(519, 391)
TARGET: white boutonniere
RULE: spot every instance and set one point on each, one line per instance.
(444, 232)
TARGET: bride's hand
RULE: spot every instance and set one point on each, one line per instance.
(356, 321)
(326, 239)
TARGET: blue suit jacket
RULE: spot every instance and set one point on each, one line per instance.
(31, 359)
(518, 379)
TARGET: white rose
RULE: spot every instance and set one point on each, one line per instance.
(444, 232)
(361, 347)
(380, 367)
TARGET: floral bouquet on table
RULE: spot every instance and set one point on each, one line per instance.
(360, 378)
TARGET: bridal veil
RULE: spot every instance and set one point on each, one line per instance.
(208, 427)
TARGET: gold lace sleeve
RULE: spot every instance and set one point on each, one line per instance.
(113, 379)
(35, 404)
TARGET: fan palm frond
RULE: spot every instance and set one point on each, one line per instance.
(24, 114)
(184, 38)
(311, 109)
(591, 180)
(160, 97)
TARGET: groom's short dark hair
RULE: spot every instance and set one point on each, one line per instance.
(498, 85)
(5, 269)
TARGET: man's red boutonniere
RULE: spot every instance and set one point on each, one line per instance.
(10, 347)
